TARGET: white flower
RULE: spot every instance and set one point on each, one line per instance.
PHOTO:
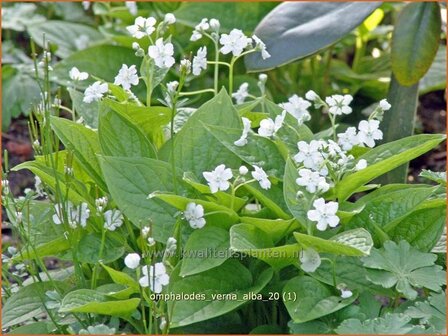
(243, 170)
(200, 61)
(38, 186)
(242, 141)
(195, 36)
(101, 203)
(312, 181)
(172, 86)
(260, 45)
(145, 231)
(263, 78)
(346, 293)
(135, 46)
(369, 132)
(298, 108)
(162, 54)
(234, 43)
(112, 219)
(241, 94)
(169, 18)
(309, 154)
(132, 7)
(76, 75)
(348, 139)
(19, 217)
(310, 260)
(95, 92)
(151, 241)
(260, 175)
(194, 214)
(127, 76)
(155, 277)
(339, 104)
(384, 105)
(269, 127)
(163, 323)
(142, 27)
(324, 214)
(75, 215)
(311, 95)
(86, 5)
(362, 164)
(132, 260)
(215, 24)
(185, 65)
(218, 178)
(199, 29)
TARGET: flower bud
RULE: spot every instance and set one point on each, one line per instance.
(169, 18)
(132, 260)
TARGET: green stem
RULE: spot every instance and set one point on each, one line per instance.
(100, 256)
(192, 93)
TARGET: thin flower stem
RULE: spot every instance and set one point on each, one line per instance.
(100, 256)
(219, 63)
(192, 93)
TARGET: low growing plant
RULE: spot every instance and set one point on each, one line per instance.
(225, 218)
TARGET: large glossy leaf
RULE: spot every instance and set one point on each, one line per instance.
(313, 299)
(415, 41)
(386, 157)
(118, 136)
(90, 245)
(131, 180)
(205, 249)
(435, 78)
(294, 30)
(83, 142)
(231, 278)
(89, 112)
(195, 149)
(27, 303)
(63, 34)
(244, 16)
(275, 228)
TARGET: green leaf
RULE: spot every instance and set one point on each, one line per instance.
(202, 242)
(385, 158)
(195, 149)
(22, 92)
(248, 239)
(27, 303)
(405, 267)
(121, 278)
(221, 216)
(243, 16)
(438, 177)
(83, 142)
(258, 151)
(89, 249)
(231, 278)
(271, 199)
(149, 119)
(89, 112)
(435, 78)
(415, 41)
(423, 227)
(36, 328)
(131, 180)
(432, 312)
(399, 122)
(275, 228)
(357, 242)
(314, 299)
(118, 136)
(91, 301)
(63, 34)
(391, 323)
(350, 271)
(152, 74)
(382, 209)
(315, 25)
